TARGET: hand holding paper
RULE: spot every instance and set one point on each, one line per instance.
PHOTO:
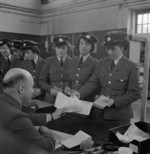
(101, 102)
(72, 104)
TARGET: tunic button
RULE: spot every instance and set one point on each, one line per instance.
(79, 69)
(62, 69)
(77, 74)
(61, 75)
(77, 81)
(109, 82)
(34, 77)
(33, 70)
(110, 74)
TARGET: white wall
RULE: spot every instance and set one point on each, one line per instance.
(32, 4)
(89, 15)
(20, 16)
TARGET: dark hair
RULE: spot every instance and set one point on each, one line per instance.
(12, 81)
(92, 44)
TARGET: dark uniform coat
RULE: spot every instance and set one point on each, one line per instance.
(53, 75)
(80, 74)
(35, 72)
(4, 67)
(121, 84)
(18, 124)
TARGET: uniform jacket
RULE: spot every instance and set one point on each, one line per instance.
(4, 66)
(16, 62)
(18, 124)
(53, 75)
(121, 84)
(34, 70)
(78, 75)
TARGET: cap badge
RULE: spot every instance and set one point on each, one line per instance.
(88, 36)
(24, 44)
(60, 40)
(108, 39)
(1, 42)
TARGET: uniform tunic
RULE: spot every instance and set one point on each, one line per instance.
(35, 72)
(4, 67)
(80, 74)
(120, 84)
(52, 74)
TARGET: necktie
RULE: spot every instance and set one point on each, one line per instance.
(112, 64)
(33, 63)
(81, 60)
(7, 58)
(61, 62)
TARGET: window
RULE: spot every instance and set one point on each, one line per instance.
(143, 22)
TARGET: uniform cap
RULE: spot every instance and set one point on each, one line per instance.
(17, 44)
(27, 44)
(4, 41)
(88, 37)
(61, 40)
(114, 37)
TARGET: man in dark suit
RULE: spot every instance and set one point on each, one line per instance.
(53, 76)
(119, 81)
(17, 91)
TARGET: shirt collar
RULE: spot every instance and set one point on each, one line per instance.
(85, 57)
(59, 58)
(116, 61)
(36, 59)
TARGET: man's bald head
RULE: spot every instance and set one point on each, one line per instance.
(14, 76)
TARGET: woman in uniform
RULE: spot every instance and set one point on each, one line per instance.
(82, 67)
(118, 78)
(53, 76)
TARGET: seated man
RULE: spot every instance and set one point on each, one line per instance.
(17, 91)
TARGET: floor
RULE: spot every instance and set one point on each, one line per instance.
(137, 111)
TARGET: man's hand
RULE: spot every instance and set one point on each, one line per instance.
(36, 92)
(110, 102)
(55, 90)
(44, 129)
(75, 93)
(58, 113)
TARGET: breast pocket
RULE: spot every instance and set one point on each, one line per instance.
(121, 83)
(101, 79)
(53, 75)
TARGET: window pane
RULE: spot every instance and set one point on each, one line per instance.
(145, 28)
(149, 18)
(148, 28)
(139, 19)
(145, 18)
(139, 29)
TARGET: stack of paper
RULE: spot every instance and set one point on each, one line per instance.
(75, 140)
(100, 102)
(72, 104)
(59, 137)
(133, 133)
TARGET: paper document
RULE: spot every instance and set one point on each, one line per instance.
(75, 140)
(133, 133)
(100, 102)
(72, 104)
(60, 136)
